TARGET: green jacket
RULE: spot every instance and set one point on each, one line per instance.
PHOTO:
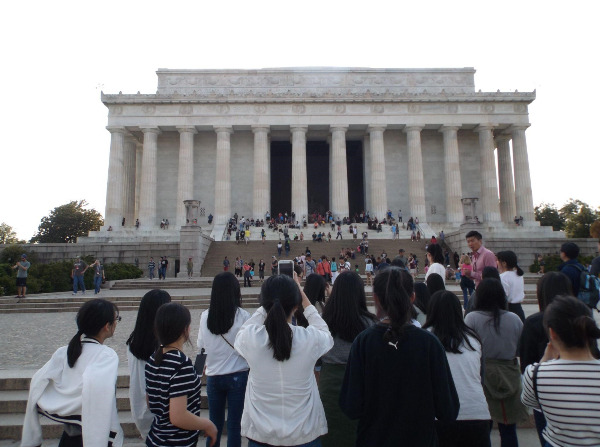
(502, 388)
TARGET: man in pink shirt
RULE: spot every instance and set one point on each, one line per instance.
(481, 257)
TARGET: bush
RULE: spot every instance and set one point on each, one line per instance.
(113, 272)
(553, 261)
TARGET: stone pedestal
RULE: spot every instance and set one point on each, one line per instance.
(191, 242)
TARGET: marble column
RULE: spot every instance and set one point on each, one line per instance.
(487, 168)
(378, 186)
(454, 209)
(523, 194)
(505, 179)
(416, 185)
(138, 177)
(129, 165)
(262, 192)
(339, 173)
(299, 179)
(185, 178)
(223, 175)
(114, 190)
(148, 186)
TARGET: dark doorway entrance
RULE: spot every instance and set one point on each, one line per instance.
(281, 177)
(355, 164)
(317, 173)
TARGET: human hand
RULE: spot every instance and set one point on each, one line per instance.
(551, 353)
(210, 431)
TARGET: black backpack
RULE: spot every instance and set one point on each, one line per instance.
(589, 287)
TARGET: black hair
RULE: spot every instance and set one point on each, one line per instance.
(142, 341)
(422, 297)
(434, 283)
(510, 257)
(397, 262)
(551, 285)
(491, 297)
(572, 321)
(436, 253)
(314, 288)
(279, 295)
(445, 317)
(171, 322)
(475, 234)
(490, 272)
(346, 309)
(570, 249)
(408, 284)
(225, 299)
(92, 316)
(394, 301)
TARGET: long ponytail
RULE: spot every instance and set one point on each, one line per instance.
(171, 322)
(279, 296)
(395, 302)
(91, 318)
(510, 257)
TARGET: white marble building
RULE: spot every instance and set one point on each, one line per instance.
(424, 138)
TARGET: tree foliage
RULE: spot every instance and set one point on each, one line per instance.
(595, 230)
(7, 235)
(548, 216)
(68, 222)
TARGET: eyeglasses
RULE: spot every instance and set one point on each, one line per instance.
(118, 318)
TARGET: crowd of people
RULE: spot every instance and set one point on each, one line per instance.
(313, 366)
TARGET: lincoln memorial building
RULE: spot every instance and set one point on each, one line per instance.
(301, 140)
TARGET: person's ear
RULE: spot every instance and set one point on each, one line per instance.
(412, 298)
(551, 334)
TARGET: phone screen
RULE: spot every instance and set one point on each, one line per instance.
(286, 268)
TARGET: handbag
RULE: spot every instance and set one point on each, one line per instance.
(200, 362)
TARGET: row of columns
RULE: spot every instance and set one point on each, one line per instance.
(124, 184)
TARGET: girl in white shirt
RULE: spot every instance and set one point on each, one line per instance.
(282, 405)
(435, 256)
(511, 276)
(226, 370)
(142, 343)
(77, 386)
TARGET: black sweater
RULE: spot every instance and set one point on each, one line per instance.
(397, 393)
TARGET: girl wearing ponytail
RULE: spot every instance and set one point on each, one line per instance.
(77, 386)
(282, 404)
(565, 384)
(511, 276)
(397, 380)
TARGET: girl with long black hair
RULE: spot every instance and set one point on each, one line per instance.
(172, 385)
(397, 380)
(282, 405)
(77, 386)
(346, 315)
(511, 276)
(463, 351)
(142, 343)
(226, 370)
(435, 256)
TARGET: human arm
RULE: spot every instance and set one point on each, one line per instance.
(200, 339)
(528, 394)
(532, 343)
(257, 319)
(180, 417)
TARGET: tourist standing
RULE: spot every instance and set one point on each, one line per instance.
(164, 264)
(309, 266)
(247, 275)
(151, 267)
(499, 331)
(369, 272)
(22, 268)
(394, 391)
(225, 264)
(569, 253)
(564, 385)
(279, 246)
(511, 276)
(141, 345)
(190, 268)
(282, 404)
(274, 264)
(77, 385)
(79, 268)
(261, 270)
(334, 270)
(172, 385)
(481, 256)
(464, 353)
(436, 261)
(467, 285)
(226, 370)
(98, 275)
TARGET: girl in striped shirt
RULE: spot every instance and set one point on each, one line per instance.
(565, 385)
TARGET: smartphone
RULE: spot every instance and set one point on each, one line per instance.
(286, 268)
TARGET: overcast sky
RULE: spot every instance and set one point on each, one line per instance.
(58, 56)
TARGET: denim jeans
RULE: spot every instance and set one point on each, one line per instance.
(227, 389)
(97, 283)
(78, 280)
(151, 272)
(466, 294)
(315, 443)
(508, 435)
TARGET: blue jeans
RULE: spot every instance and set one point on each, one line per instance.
(508, 435)
(78, 280)
(315, 443)
(151, 272)
(230, 389)
(466, 294)
(97, 282)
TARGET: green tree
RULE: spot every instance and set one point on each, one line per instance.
(68, 222)
(578, 217)
(7, 235)
(548, 216)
